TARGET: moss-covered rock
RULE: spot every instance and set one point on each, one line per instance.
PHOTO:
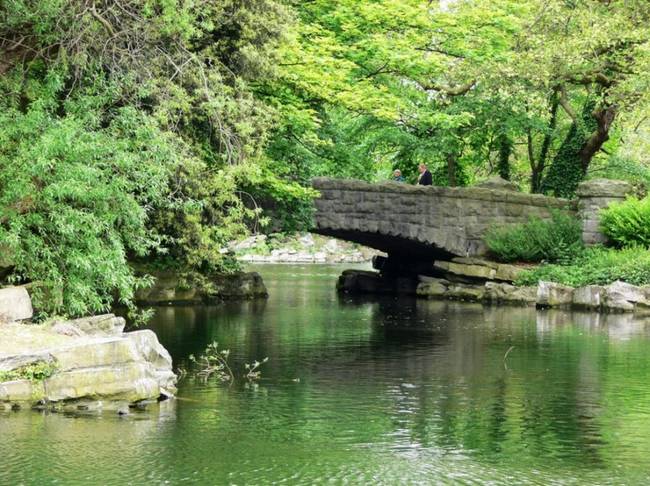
(169, 289)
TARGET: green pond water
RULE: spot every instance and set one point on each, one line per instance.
(368, 391)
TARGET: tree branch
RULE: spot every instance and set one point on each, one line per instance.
(564, 103)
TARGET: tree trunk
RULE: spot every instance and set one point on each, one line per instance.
(451, 170)
(538, 168)
(505, 149)
(585, 138)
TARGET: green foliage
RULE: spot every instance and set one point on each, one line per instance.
(627, 223)
(38, 371)
(124, 130)
(75, 196)
(596, 266)
(556, 240)
(568, 167)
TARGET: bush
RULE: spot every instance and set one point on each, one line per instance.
(596, 266)
(627, 223)
(555, 240)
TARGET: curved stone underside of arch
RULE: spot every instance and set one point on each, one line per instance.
(420, 222)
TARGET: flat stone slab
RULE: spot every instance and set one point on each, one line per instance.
(480, 269)
(15, 304)
(128, 368)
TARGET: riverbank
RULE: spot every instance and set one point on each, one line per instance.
(476, 280)
(87, 364)
(300, 248)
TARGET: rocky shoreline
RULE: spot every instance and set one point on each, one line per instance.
(87, 364)
(476, 280)
(297, 248)
(167, 289)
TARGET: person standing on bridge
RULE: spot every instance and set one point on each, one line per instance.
(425, 178)
(397, 176)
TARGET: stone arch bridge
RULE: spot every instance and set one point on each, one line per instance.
(424, 223)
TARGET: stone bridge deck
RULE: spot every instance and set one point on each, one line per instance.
(420, 222)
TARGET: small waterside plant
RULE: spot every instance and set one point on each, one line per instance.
(556, 240)
(627, 223)
(213, 363)
(38, 371)
(596, 266)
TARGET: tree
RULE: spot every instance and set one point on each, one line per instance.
(126, 126)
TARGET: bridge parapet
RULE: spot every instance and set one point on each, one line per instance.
(423, 221)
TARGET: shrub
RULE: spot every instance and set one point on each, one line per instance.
(555, 240)
(596, 266)
(627, 223)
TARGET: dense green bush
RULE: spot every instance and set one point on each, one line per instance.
(74, 201)
(596, 266)
(627, 223)
(556, 240)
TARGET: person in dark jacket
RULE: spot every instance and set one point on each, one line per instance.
(425, 178)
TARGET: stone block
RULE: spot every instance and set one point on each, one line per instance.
(551, 294)
(622, 296)
(603, 188)
(436, 288)
(497, 292)
(508, 273)
(106, 325)
(15, 304)
(466, 270)
(589, 297)
(472, 293)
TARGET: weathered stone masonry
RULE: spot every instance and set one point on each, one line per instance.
(419, 222)
(423, 222)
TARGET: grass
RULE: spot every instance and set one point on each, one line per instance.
(595, 266)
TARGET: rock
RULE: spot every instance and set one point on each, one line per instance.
(496, 292)
(106, 325)
(367, 282)
(476, 268)
(15, 304)
(589, 297)
(307, 240)
(603, 188)
(128, 368)
(432, 288)
(167, 289)
(496, 182)
(508, 273)
(551, 294)
(464, 270)
(466, 292)
(249, 243)
(332, 246)
(621, 296)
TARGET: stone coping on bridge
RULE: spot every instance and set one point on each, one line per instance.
(423, 222)
(471, 192)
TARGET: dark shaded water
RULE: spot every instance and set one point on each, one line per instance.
(376, 391)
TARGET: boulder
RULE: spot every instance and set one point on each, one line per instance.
(430, 287)
(466, 270)
(497, 292)
(589, 297)
(622, 296)
(479, 269)
(106, 325)
(167, 289)
(551, 294)
(15, 304)
(128, 368)
(508, 273)
(473, 293)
